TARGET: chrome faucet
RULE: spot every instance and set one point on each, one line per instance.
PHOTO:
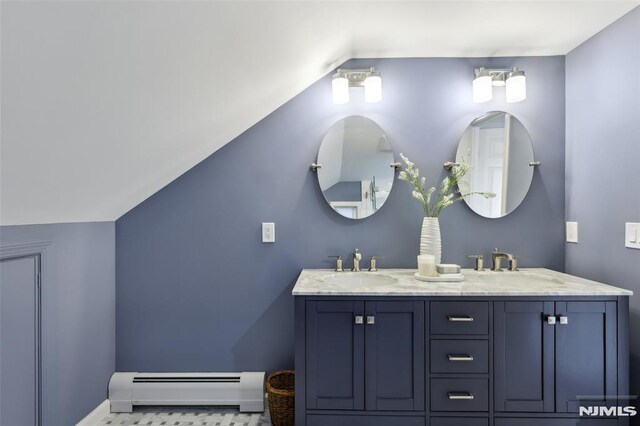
(497, 256)
(357, 256)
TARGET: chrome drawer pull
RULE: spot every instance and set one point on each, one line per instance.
(459, 357)
(460, 318)
(460, 395)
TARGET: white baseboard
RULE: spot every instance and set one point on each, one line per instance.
(94, 417)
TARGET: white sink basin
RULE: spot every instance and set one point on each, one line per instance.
(517, 278)
(362, 279)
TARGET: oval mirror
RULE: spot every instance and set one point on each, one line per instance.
(356, 174)
(498, 149)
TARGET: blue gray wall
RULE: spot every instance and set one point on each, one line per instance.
(603, 158)
(197, 290)
(78, 317)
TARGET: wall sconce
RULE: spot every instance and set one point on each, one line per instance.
(368, 78)
(485, 79)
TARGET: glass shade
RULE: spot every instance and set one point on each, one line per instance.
(340, 89)
(373, 88)
(482, 89)
(516, 87)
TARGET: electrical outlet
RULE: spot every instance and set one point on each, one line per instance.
(632, 235)
(572, 232)
(268, 232)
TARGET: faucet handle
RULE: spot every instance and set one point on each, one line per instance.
(339, 267)
(357, 254)
(373, 264)
(479, 261)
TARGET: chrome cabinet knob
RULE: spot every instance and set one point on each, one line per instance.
(359, 319)
(371, 320)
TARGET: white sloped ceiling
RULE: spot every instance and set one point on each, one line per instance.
(104, 103)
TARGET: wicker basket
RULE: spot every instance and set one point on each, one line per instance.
(281, 391)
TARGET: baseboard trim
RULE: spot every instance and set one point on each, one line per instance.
(94, 417)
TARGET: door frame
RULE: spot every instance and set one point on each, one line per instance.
(37, 249)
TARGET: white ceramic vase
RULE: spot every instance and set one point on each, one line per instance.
(430, 238)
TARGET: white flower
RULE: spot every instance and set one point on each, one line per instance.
(406, 160)
(429, 192)
(449, 188)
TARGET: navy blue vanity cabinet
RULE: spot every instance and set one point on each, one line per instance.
(586, 352)
(548, 353)
(335, 355)
(365, 355)
(459, 361)
(524, 356)
(394, 355)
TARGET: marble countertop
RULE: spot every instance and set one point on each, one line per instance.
(401, 282)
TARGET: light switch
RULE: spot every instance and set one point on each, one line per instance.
(572, 232)
(268, 232)
(632, 235)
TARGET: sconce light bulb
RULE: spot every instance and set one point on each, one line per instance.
(340, 88)
(373, 87)
(516, 86)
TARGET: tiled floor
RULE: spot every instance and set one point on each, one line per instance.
(186, 416)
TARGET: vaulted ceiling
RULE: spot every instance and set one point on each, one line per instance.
(104, 103)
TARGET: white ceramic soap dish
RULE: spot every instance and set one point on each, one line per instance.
(448, 278)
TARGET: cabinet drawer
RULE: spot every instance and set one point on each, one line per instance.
(555, 422)
(459, 318)
(357, 420)
(459, 421)
(462, 394)
(459, 356)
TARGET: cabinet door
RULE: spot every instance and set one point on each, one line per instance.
(335, 355)
(394, 355)
(586, 353)
(524, 356)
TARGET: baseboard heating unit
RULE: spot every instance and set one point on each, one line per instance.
(245, 390)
